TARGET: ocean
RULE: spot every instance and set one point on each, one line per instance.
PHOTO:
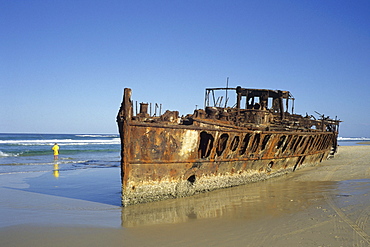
(353, 141)
(22, 153)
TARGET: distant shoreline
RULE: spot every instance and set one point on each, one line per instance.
(363, 143)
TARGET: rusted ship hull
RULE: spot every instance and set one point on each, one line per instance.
(165, 159)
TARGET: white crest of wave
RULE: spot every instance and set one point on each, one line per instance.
(353, 138)
(2, 154)
(95, 135)
(61, 142)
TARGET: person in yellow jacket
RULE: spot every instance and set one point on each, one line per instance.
(55, 148)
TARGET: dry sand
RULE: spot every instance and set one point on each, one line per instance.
(325, 205)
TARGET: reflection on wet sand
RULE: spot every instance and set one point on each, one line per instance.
(56, 170)
(252, 201)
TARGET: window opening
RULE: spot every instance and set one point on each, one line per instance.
(244, 144)
(234, 143)
(256, 142)
(287, 143)
(265, 141)
(281, 142)
(205, 144)
(222, 144)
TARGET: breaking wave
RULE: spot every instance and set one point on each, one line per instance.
(61, 142)
(96, 135)
(353, 138)
(3, 154)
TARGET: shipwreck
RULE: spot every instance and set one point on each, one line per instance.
(168, 156)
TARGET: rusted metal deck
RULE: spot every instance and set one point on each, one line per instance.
(169, 156)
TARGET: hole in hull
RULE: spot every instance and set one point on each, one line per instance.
(205, 145)
(192, 179)
(222, 142)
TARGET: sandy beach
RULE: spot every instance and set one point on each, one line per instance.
(325, 205)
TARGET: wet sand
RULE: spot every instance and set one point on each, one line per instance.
(364, 142)
(325, 205)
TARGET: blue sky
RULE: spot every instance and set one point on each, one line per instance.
(64, 64)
